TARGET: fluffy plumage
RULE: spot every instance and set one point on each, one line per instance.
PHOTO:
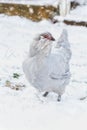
(47, 69)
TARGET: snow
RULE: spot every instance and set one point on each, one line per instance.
(80, 1)
(39, 2)
(26, 109)
(82, 10)
(74, 15)
(32, 2)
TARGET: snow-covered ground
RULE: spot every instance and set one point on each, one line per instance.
(26, 109)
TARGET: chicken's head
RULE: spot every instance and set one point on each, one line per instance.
(47, 36)
(42, 44)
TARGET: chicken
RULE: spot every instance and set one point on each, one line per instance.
(47, 69)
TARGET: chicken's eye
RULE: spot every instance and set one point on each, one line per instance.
(48, 37)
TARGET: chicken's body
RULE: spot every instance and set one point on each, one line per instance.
(49, 70)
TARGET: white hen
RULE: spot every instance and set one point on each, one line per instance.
(48, 70)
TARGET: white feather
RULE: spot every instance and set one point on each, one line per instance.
(49, 70)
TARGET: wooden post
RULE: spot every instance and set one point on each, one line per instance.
(64, 7)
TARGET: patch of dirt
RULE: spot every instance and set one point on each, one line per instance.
(35, 13)
(74, 4)
(14, 86)
(75, 23)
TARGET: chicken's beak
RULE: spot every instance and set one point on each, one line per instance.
(52, 38)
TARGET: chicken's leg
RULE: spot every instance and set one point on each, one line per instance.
(45, 94)
(59, 98)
